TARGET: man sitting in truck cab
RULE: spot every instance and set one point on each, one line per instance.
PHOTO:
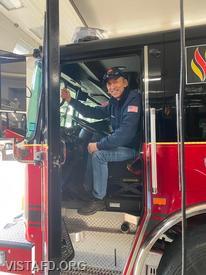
(124, 111)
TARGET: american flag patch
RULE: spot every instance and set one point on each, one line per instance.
(132, 109)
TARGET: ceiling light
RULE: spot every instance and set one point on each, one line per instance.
(19, 49)
(11, 4)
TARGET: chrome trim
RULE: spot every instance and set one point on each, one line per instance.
(178, 139)
(146, 97)
(13, 111)
(161, 229)
(153, 150)
(147, 214)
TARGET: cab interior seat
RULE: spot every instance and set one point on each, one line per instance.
(125, 189)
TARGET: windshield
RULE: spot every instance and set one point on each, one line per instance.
(12, 93)
(34, 102)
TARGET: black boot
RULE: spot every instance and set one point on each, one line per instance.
(92, 207)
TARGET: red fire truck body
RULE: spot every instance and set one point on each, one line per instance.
(160, 211)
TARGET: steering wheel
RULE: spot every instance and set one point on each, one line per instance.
(86, 125)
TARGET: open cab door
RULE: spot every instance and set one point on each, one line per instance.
(56, 243)
(35, 245)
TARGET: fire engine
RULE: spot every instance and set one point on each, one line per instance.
(140, 230)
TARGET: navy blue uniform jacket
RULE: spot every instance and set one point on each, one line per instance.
(124, 115)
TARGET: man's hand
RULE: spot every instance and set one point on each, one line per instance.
(92, 147)
(65, 95)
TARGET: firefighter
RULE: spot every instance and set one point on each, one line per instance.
(123, 110)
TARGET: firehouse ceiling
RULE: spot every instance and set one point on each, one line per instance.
(115, 17)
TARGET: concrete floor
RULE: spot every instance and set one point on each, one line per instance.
(12, 180)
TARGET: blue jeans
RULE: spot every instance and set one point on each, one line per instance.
(97, 168)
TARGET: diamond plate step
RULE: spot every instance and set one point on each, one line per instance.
(92, 271)
(101, 221)
(13, 235)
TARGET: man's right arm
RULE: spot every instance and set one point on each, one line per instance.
(98, 112)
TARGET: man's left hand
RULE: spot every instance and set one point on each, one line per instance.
(92, 147)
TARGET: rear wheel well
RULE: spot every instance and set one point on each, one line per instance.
(176, 229)
(195, 244)
(174, 233)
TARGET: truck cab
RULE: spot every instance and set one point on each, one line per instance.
(141, 222)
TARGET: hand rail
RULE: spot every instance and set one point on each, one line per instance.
(153, 150)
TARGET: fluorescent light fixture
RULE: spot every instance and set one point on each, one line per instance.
(20, 49)
(152, 79)
(11, 4)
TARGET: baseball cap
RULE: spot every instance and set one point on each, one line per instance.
(113, 73)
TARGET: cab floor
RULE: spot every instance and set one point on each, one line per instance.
(98, 240)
